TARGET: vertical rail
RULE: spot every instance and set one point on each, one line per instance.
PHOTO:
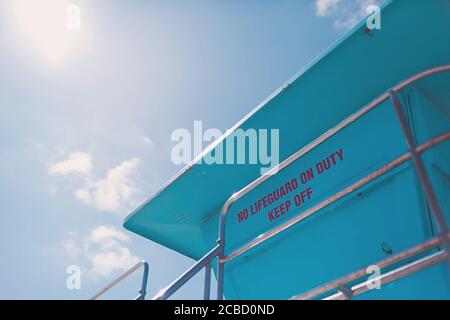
(207, 287)
(220, 268)
(221, 240)
(143, 290)
(419, 166)
(185, 277)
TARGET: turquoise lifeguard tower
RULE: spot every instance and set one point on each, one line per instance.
(373, 221)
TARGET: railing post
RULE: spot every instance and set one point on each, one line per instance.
(125, 275)
(143, 290)
(421, 171)
(186, 276)
(207, 287)
(221, 244)
(220, 270)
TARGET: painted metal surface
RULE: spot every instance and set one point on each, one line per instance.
(334, 86)
(372, 199)
(413, 154)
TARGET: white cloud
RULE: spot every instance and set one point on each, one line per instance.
(71, 248)
(114, 192)
(104, 250)
(83, 195)
(78, 162)
(103, 234)
(117, 259)
(148, 141)
(325, 7)
(347, 13)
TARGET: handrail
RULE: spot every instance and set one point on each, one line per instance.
(343, 281)
(328, 134)
(393, 275)
(377, 173)
(204, 262)
(142, 291)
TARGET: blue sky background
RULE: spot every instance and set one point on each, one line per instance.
(86, 118)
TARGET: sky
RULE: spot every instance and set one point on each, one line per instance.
(90, 92)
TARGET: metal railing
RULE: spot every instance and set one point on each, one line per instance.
(346, 292)
(126, 274)
(204, 262)
(413, 154)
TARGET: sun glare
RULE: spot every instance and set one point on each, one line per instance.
(52, 29)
